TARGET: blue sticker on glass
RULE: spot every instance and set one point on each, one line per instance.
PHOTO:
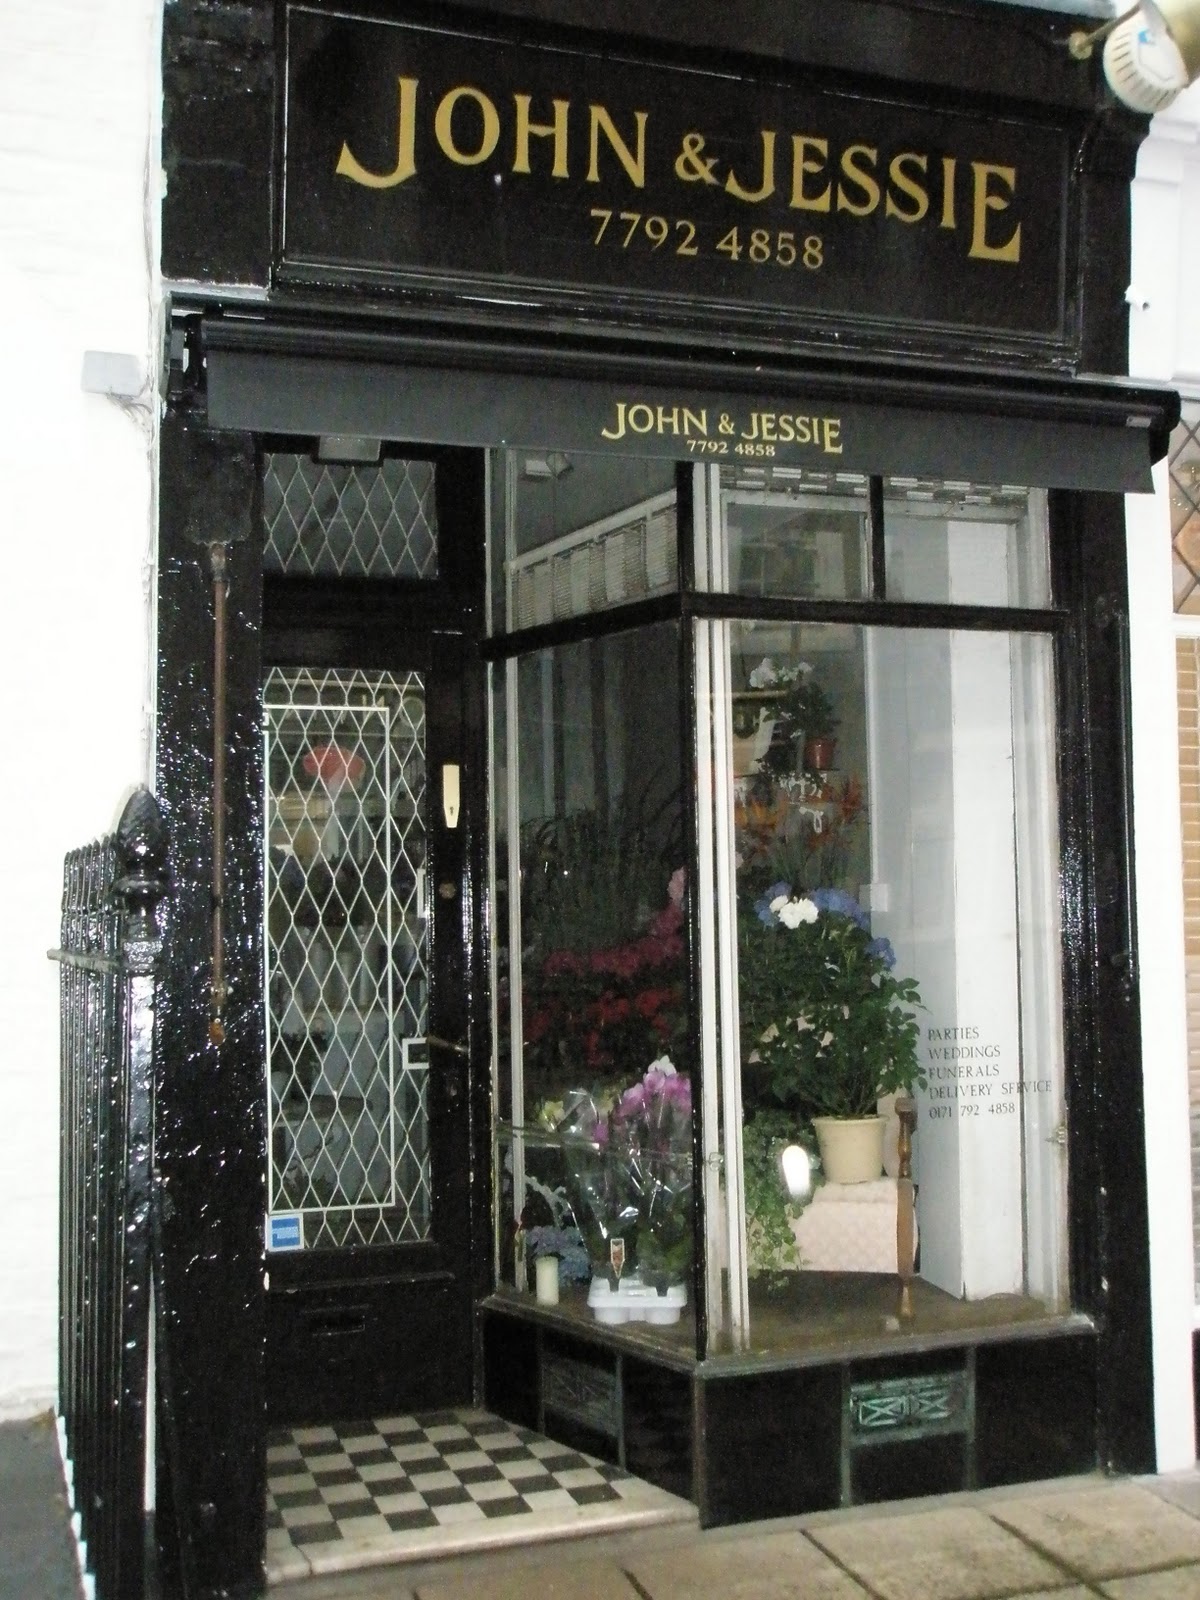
(284, 1231)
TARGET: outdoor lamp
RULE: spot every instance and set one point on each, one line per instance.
(1151, 53)
(797, 1171)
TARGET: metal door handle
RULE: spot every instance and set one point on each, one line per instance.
(447, 1044)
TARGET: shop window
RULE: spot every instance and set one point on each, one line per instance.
(868, 865)
(581, 534)
(796, 534)
(1184, 467)
(349, 519)
(346, 962)
(965, 544)
(595, 1151)
(885, 857)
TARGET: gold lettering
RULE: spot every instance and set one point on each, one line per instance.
(443, 126)
(831, 432)
(804, 430)
(787, 430)
(668, 419)
(641, 419)
(348, 167)
(753, 434)
(767, 186)
(948, 167)
(556, 130)
(985, 201)
(619, 419)
(803, 163)
(635, 165)
(695, 421)
(908, 185)
(859, 178)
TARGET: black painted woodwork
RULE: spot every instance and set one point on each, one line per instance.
(210, 1133)
(770, 1444)
(749, 1443)
(1035, 1409)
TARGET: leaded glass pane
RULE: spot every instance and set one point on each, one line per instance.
(348, 520)
(346, 955)
(1184, 463)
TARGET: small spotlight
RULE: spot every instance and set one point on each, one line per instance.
(797, 1171)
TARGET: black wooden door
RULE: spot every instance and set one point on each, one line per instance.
(370, 724)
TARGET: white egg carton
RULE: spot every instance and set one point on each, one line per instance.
(635, 1301)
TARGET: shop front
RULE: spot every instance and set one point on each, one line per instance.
(662, 499)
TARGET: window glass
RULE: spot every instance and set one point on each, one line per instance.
(349, 519)
(794, 534)
(963, 544)
(594, 1160)
(1184, 465)
(885, 803)
(577, 533)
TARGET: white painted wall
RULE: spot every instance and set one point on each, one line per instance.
(79, 109)
(1164, 344)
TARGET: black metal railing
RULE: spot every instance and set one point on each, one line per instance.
(110, 945)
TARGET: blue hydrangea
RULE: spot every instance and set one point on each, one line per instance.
(843, 904)
(883, 949)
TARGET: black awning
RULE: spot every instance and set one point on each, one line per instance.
(1057, 432)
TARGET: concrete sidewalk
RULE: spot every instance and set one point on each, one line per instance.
(1081, 1537)
(1122, 1539)
(37, 1550)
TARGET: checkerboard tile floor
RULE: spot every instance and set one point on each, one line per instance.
(359, 1493)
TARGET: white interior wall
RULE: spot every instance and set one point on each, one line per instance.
(1165, 345)
(79, 98)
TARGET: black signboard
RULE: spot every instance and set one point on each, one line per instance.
(545, 174)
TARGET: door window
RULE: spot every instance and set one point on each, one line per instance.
(346, 956)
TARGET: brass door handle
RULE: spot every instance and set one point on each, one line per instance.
(446, 1044)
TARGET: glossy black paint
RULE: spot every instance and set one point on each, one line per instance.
(403, 1337)
(218, 90)
(905, 1469)
(210, 1122)
(1035, 1409)
(543, 214)
(224, 151)
(770, 1445)
(658, 1411)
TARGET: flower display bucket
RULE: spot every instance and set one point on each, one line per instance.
(851, 1148)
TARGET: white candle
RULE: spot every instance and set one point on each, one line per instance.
(546, 1268)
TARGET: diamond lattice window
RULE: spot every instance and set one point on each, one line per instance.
(346, 963)
(1184, 461)
(335, 519)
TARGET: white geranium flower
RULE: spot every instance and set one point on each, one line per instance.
(764, 675)
(778, 904)
(793, 912)
(664, 1065)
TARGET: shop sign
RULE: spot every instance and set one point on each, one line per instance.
(428, 156)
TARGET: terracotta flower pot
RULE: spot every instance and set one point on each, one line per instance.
(819, 754)
(851, 1148)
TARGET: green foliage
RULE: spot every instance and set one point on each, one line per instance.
(590, 879)
(769, 1209)
(826, 1028)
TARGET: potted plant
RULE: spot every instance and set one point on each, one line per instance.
(827, 1027)
(805, 722)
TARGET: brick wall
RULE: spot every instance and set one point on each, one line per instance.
(1187, 658)
(79, 95)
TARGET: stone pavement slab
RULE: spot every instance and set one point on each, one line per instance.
(1104, 1532)
(37, 1552)
(774, 1566)
(1181, 1583)
(957, 1553)
(584, 1580)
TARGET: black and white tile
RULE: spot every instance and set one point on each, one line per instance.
(360, 1493)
